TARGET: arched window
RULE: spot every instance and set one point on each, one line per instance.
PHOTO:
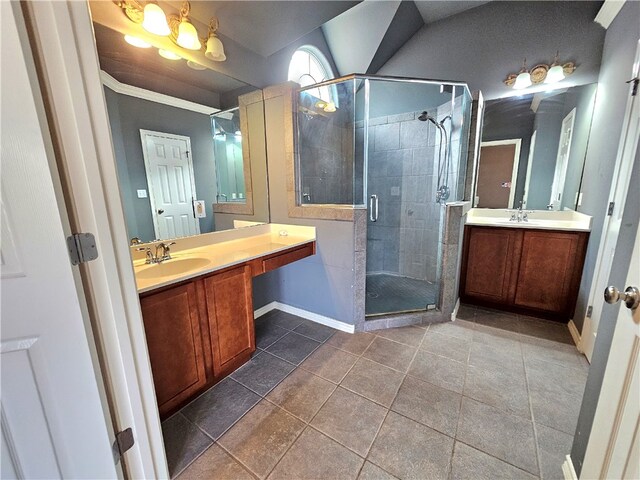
(309, 66)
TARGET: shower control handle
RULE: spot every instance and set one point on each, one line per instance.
(373, 208)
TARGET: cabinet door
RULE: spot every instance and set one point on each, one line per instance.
(550, 269)
(230, 312)
(491, 263)
(172, 328)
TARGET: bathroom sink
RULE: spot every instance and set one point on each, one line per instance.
(175, 266)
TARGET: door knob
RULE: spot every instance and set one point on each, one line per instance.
(630, 297)
(160, 211)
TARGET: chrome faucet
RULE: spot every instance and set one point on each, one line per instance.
(164, 248)
(519, 215)
(162, 252)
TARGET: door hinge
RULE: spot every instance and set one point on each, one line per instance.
(610, 208)
(589, 311)
(82, 247)
(634, 89)
(123, 442)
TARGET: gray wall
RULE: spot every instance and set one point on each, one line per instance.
(127, 115)
(617, 60)
(608, 317)
(619, 52)
(323, 283)
(482, 45)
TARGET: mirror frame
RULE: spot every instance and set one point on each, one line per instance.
(246, 207)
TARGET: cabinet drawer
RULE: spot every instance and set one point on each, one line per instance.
(287, 257)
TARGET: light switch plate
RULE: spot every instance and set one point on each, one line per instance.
(142, 194)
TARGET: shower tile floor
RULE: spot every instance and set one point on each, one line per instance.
(388, 293)
(489, 396)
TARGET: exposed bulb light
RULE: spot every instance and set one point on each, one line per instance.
(195, 66)
(523, 80)
(169, 55)
(136, 42)
(155, 21)
(215, 49)
(556, 72)
(188, 35)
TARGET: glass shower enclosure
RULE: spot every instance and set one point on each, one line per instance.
(398, 148)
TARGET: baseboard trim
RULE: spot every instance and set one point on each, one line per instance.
(314, 317)
(568, 470)
(575, 334)
(454, 314)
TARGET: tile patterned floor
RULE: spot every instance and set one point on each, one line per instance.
(489, 396)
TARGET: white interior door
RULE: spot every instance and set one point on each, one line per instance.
(626, 156)
(171, 184)
(613, 450)
(52, 418)
(562, 160)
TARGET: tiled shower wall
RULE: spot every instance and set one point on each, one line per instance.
(403, 158)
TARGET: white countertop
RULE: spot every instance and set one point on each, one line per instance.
(215, 251)
(568, 220)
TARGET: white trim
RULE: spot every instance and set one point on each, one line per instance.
(152, 197)
(62, 36)
(314, 317)
(608, 12)
(527, 180)
(560, 177)
(454, 314)
(625, 157)
(568, 470)
(575, 335)
(137, 92)
(17, 344)
(516, 162)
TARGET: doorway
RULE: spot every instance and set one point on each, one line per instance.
(170, 178)
(497, 173)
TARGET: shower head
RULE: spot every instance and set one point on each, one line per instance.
(424, 117)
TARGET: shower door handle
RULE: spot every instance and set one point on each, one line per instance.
(373, 205)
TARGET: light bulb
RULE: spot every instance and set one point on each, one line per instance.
(555, 74)
(188, 36)
(155, 21)
(136, 42)
(168, 55)
(215, 49)
(523, 80)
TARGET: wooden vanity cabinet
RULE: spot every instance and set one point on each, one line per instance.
(229, 306)
(200, 330)
(172, 324)
(526, 270)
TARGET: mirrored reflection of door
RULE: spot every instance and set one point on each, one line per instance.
(497, 173)
(171, 184)
(562, 162)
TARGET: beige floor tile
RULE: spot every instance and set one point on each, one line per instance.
(329, 363)
(302, 393)
(374, 381)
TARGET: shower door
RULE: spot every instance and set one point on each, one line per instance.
(404, 161)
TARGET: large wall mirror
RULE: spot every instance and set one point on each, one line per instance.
(533, 149)
(188, 163)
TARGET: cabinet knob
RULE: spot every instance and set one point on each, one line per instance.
(630, 297)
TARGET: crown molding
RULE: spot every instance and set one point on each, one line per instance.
(137, 92)
(608, 11)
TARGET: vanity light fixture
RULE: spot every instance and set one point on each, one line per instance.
(214, 48)
(556, 72)
(182, 30)
(155, 21)
(136, 42)
(151, 17)
(540, 73)
(169, 55)
(523, 80)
